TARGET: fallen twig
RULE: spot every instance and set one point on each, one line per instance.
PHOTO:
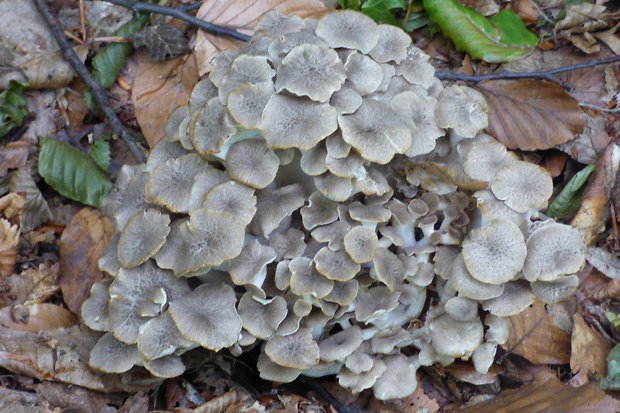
(544, 75)
(99, 94)
(181, 15)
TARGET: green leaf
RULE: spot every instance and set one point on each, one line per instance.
(381, 10)
(13, 107)
(350, 4)
(568, 200)
(501, 39)
(108, 62)
(99, 151)
(72, 173)
(416, 21)
(612, 381)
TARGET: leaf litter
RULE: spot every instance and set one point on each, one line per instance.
(34, 347)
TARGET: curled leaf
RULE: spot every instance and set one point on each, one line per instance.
(72, 173)
(568, 200)
(161, 41)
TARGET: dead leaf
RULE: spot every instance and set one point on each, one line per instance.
(36, 210)
(554, 162)
(15, 401)
(159, 89)
(597, 287)
(136, 403)
(588, 349)
(610, 38)
(31, 286)
(524, 9)
(14, 155)
(584, 17)
(77, 399)
(536, 337)
(12, 207)
(446, 174)
(62, 355)
(590, 217)
(605, 262)
(588, 146)
(467, 373)
(242, 15)
(550, 395)
(81, 245)
(48, 70)
(531, 114)
(161, 41)
(36, 317)
(9, 241)
(217, 404)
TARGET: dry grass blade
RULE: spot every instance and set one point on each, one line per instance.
(531, 114)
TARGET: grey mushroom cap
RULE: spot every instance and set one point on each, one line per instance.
(399, 379)
(273, 205)
(335, 265)
(208, 316)
(516, 298)
(376, 131)
(207, 239)
(416, 68)
(247, 102)
(364, 75)
(232, 197)
(244, 70)
(341, 345)
(297, 350)
(293, 122)
(462, 109)
(160, 337)
(142, 237)
(272, 24)
(112, 356)
(252, 163)
(468, 286)
(552, 251)
(94, 310)
(522, 186)
(165, 367)
(271, 371)
(311, 70)
(495, 253)
(202, 92)
(391, 46)
(348, 29)
(455, 338)
(261, 320)
(555, 291)
(361, 244)
(357, 382)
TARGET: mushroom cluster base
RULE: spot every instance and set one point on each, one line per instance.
(324, 198)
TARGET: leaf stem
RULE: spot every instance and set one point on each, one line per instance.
(181, 15)
(99, 94)
(544, 75)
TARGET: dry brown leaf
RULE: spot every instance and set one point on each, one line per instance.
(588, 146)
(159, 89)
(610, 38)
(554, 162)
(590, 217)
(531, 114)
(62, 355)
(31, 286)
(588, 349)
(9, 241)
(605, 262)
(77, 399)
(12, 207)
(536, 337)
(525, 9)
(467, 373)
(13, 155)
(242, 15)
(36, 317)
(48, 70)
(550, 395)
(81, 245)
(217, 404)
(20, 401)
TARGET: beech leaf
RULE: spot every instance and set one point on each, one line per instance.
(72, 173)
(161, 41)
(100, 152)
(504, 38)
(531, 114)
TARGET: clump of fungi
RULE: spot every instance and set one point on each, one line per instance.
(325, 198)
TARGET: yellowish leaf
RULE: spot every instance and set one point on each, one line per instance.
(36, 317)
(9, 240)
(588, 349)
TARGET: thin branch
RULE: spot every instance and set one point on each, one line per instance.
(181, 15)
(190, 7)
(99, 94)
(544, 75)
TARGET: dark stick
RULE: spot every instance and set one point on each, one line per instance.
(190, 7)
(99, 94)
(544, 75)
(181, 15)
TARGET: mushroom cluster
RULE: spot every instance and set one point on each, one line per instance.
(305, 203)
